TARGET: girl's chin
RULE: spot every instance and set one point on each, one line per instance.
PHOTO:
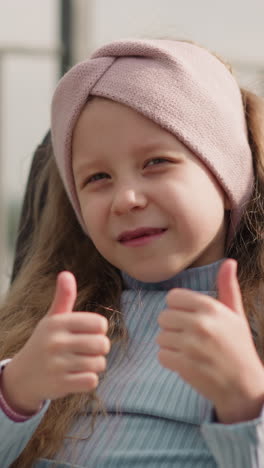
(150, 277)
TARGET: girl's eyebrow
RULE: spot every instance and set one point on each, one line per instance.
(162, 147)
(153, 146)
(86, 164)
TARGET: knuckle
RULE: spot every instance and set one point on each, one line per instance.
(55, 371)
(204, 326)
(92, 381)
(163, 318)
(56, 344)
(193, 349)
(55, 323)
(104, 324)
(97, 320)
(87, 382)
(90, 364)
(107, 345)
(171, 297)
(104, 344)
(101, 364)
(95, 364)
(163, 339)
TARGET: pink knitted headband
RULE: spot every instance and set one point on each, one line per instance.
(178, 85)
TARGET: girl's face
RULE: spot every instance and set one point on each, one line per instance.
(150, 206)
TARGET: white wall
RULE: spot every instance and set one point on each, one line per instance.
(28, 22)
(232, 27)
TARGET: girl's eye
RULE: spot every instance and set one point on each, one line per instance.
(155, 161)
(96, 177)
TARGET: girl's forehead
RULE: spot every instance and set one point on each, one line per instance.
(116, 122)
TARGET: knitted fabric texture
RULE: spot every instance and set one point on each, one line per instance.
(181, 87)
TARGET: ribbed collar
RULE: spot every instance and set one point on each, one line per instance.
(201, 278)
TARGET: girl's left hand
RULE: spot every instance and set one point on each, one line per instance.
(208, 342)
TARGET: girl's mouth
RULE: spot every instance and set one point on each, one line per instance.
(141, 236)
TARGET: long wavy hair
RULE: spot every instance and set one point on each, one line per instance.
(58, 243)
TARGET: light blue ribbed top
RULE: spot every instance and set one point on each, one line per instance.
(154, 419)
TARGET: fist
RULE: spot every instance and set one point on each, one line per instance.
(64, 355)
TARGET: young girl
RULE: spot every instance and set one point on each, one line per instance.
(158, 198)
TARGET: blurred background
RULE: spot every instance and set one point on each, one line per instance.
(40, 40)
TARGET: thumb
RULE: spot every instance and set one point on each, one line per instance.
(228, 287)
(65, 294)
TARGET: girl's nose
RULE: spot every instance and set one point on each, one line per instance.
(127, 199)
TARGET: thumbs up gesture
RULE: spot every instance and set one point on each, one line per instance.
(64, 354)
(209, 344)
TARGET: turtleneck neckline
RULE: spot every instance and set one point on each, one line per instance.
(201, 278)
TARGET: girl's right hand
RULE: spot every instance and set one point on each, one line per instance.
(64, 354)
